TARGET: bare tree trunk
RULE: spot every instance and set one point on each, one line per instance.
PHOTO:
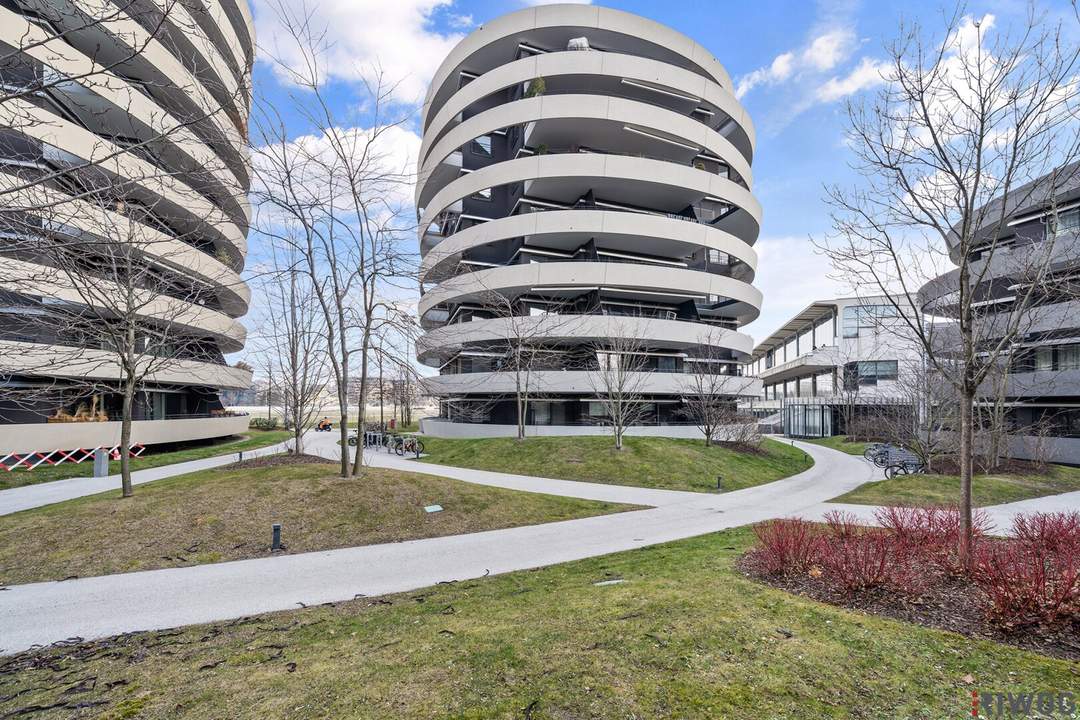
(125, 437)
(358, 455)
(967, 437)
(294, 350)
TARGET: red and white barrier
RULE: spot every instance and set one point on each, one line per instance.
(31, 460)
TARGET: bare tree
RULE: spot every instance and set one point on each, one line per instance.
(619, 381)
(292, 344)
(960, 122)
(339, 199)
(710, 394)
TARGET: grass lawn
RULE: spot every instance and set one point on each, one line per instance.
(643, 462)
(249, 441)
(944, 489)
(841, 443)
(684, 636)
(226, 514)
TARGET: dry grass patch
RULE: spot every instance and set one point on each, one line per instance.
(226, 514)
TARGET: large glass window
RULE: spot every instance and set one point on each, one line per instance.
(869, 372)
(865, 318)
(1066, 222)
(1044, 358)
(1069, 357)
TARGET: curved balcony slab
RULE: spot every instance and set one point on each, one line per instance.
(164, 250)
(650, 181)
(29, 279)
(45, 437)
(579, 276)
(612, 66)
(438, 345)
(652, 37)
(629, 232)
(118, 93)
(105, 156)
(577, 382)
(58, 361)
(610, 115)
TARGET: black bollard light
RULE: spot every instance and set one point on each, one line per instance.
(275, 544)
(241, 455)
(719, 483)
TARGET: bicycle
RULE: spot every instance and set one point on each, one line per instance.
(408, 445)
(904, 468)
(878, 454)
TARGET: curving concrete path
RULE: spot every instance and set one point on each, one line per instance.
(92, 607)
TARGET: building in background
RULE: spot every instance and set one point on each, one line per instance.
(1041, 380)
(152, 101)
(584, 193)
(836, 364)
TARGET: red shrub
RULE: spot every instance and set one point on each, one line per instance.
(1057, 533)
(842, 524)
(914, 528)
(1026, 584)
(786, 546)
(855, 561)
(932, 534)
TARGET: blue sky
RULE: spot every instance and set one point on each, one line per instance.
(793, 63)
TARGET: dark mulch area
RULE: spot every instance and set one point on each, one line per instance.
(948, 604)
(280, 459)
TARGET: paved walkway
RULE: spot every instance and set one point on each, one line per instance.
(47, 493)
(1000, 516)
(93, 607)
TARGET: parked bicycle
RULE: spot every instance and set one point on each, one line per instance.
(910, 467)
(408, 444)
(877, 453)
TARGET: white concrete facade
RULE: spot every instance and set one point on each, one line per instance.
(585, 178)
(855, 350)
(125, 121)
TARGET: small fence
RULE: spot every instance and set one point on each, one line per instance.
(32, 460)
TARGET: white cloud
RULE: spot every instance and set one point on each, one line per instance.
(824, 52)
(397, 36)
(778, 71)
(867, 74)
(829, 50)
(461, 21)
(554, 2)
(320, 176)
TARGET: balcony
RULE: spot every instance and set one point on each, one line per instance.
(820, 360)
(44, 437)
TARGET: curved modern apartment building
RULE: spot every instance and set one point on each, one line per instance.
(1042, 372)
(126, 120)
(584, 192)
